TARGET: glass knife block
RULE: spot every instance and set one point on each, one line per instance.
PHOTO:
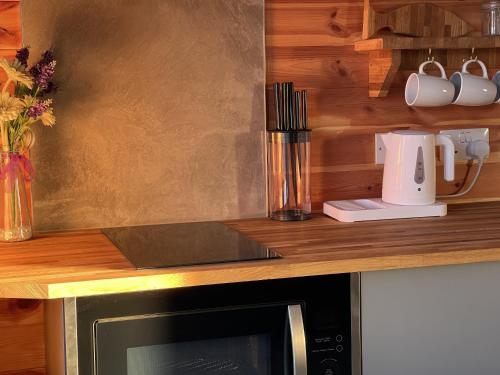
(288, 163)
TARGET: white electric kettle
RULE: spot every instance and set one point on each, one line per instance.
(410, 166)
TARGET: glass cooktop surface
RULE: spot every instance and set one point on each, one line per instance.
(173, 245)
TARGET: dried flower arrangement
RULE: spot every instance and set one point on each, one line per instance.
(21, 99)
(23, 103)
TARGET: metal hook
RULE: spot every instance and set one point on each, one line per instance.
(430, 57)
(472, 57)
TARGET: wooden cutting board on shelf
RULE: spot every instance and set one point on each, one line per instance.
(416, 20)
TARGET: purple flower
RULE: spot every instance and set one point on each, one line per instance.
(43, 71)
(47, 57)
(36, 110)
(43, 74)
(51, 88)
(22, 56)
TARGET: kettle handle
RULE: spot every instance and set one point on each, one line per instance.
(449, 156)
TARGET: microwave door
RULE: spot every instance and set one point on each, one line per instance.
(255, 340)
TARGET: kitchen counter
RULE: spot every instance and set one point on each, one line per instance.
(79, 263)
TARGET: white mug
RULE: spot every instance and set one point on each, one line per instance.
(472, 90)
(423, 90)
(496, 81)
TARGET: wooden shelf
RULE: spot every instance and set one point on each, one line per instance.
(385, 54)
(407, 43)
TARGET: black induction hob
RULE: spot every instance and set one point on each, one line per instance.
(173, 245)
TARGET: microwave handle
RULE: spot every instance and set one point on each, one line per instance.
(298, 340)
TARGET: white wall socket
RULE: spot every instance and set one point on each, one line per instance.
(379, 149)
(462, 137)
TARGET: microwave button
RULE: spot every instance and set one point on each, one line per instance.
(329, 366)
(339, 338)
(339, 348)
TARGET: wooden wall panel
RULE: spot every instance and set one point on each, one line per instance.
(21, 337)
(33, 371)
(10, 25)
(310, 42)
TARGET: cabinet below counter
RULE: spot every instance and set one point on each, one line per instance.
(82, 263)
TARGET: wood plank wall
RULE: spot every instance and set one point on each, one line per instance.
(310, 42)
(21, 337)
(21, 321)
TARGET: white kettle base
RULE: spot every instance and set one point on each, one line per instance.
(376, 209)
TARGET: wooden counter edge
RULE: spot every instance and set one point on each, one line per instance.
(254, 272)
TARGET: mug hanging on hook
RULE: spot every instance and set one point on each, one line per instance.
(423, 90)
(471, 89)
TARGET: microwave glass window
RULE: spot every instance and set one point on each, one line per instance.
(249, 355)
(245, 340)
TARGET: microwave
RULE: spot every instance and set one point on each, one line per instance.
(299, 326)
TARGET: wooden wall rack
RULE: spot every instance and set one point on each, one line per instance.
(385, 50)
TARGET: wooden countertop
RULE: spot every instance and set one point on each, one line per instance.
(79, 263)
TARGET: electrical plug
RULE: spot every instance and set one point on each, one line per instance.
(478, 150)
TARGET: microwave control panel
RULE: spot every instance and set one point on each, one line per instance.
(329, 353)
(329, 348)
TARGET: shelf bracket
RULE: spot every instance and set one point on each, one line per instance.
(382, 67)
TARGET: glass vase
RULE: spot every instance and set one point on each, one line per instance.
(15, 193)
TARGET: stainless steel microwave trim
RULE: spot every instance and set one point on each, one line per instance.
(298, 339)
(61, 337)
(356, 353)
(71, 336)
